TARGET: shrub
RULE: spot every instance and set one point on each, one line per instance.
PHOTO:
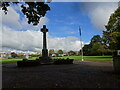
(10, 57)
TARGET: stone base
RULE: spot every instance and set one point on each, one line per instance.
(45, 60)
(44, 52)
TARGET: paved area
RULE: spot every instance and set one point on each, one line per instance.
(84, 74)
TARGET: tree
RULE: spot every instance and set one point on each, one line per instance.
(32, 10)
(95, 39)
(99, 49)
(95, 43)
(104, 50)
(112, 34)
(87, 49)
(72, 53)
(51, 51)
(96, 47)
(60, 51)
(13, 55)
(35, 55)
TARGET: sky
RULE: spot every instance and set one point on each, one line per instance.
(63, 22)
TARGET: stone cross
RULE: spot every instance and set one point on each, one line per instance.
(44, 50)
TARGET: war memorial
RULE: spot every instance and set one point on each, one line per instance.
(45, 59)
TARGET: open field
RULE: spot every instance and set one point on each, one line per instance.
(6, 61)
(90, 58)
(86, 58)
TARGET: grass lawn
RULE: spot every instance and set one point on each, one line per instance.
(6, 61)
(87, 58)
(90, 58)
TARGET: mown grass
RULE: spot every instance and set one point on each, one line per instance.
(90, 58)
(6, 61)
(87, 58)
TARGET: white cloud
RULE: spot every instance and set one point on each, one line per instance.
(31, 38)
(32, 41)
(12, 19)
(22, 40)
(64, 43)
(99, 13)
(12, 38)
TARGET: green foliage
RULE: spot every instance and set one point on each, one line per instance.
(32, 10)
(35, 55)
(96, 39)
(72, 53)
(20, 56)
(87, 58)
(10, 57)
(97, 47)
(87, 50)
(114, 22)
(51, 51)
(112, 35)
(13, 55)
(60, 51)
(110, 40)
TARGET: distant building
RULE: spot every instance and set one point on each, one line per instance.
(4, 55)
(65, 53)
(8, 55)
(21, 53)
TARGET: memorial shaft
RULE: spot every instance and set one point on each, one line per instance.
(44, 41)
(44, 50)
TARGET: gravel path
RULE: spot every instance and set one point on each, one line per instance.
(84, 74)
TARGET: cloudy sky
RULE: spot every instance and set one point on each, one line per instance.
(63, 23)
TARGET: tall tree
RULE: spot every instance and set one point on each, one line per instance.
(32, 10)
(95, 39)
(96, 47)
(112, 34)
(87, 49)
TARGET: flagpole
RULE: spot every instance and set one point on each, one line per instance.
(81, 44)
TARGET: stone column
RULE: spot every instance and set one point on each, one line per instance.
(44, 50)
